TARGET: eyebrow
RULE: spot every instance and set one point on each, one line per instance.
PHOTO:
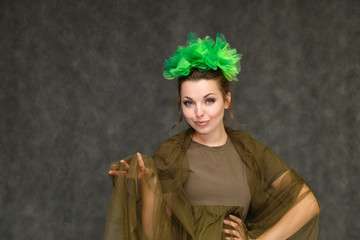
(207, 95)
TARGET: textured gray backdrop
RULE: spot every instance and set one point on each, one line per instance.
(82, 86)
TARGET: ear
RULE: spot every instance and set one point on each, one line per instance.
(227, 100)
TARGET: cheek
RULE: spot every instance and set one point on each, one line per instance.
(187, 112)
(217, 112)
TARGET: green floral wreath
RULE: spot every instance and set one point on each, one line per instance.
(204, 54)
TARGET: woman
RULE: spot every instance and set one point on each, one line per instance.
(208, 182)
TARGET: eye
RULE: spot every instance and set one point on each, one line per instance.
(209, 100)
(187, 103)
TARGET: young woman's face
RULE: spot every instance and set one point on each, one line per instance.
(203, 105)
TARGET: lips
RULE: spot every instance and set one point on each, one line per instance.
(201, 123)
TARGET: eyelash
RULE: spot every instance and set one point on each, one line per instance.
(207, 101)
(187, 103)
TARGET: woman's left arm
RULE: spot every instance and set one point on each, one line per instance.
(305, 206)
(301, 213)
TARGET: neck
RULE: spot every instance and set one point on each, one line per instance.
(214, 139)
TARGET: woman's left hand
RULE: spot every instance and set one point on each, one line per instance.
(238, 231)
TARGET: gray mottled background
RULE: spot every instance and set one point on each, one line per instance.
(81, 86)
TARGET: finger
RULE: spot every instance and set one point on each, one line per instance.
(232, 238)
(114, 173)
(125, 165)
(232, 224)
(232, 233)
(240, 225)
(236, 219)
(114, 166)
(140, 161)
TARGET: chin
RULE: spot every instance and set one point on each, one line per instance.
(201, 130)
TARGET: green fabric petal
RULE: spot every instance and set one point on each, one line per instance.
(204, 54)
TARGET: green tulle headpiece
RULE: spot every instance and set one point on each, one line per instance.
(204, 54)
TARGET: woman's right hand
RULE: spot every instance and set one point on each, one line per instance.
(124, 168)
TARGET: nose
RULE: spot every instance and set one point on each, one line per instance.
(199, 111)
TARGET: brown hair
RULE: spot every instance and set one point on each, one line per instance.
(195, 75)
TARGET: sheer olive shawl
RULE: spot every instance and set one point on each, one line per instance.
(172, 216)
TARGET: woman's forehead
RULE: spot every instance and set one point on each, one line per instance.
(199, 88)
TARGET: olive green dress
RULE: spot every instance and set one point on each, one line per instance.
(217, 186)
(195, 188)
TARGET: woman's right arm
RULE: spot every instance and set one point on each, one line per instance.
(150, 202)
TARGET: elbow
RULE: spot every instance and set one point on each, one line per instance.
(317, 208)
(313, 204)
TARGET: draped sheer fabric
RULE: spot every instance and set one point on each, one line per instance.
(173, 216)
